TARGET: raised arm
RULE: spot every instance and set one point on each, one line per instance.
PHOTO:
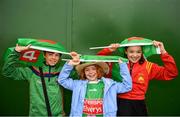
(64, 78)
(126, 84)
(108, 51)
(166, 72)
(12, 69)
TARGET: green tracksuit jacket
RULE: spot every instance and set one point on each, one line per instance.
(13, 70)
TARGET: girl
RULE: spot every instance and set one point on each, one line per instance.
(93, 94)
(142, 71)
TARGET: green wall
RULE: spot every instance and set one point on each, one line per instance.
(80, 24)
(45, 19)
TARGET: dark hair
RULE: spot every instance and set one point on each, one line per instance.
(99, 70)
(141, 60)
(52, 52)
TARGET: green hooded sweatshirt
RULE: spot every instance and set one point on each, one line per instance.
(15, 71)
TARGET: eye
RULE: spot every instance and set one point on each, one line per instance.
(86, 70)
(131, 51)
(50, 53)
(139, 51)
(57, 55)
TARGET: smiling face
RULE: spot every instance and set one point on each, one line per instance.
(51, 58)
(91, 73)
(134, 53)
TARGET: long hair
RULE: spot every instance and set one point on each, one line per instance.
(99, 70)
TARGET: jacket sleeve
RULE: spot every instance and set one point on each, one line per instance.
(63, 78)
(104, 51)
(13, 70)
(166, 72)
(126, 84)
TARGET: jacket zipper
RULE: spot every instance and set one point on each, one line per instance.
(49, 73)
(131, 68)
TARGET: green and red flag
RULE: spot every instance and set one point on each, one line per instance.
(147, 46)
(96, 58)
(30, 57)
(115, 66)
(43, 45)
(34, 55)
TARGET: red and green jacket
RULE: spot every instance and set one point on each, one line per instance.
(142, 73)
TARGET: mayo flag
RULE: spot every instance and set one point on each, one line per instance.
(115, 66)
(96, 58)
(147, 46)
(34, 55)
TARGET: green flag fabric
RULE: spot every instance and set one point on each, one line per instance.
(34, 56)
(96, 58)
(42, 44)
(115, 73)
(147, 46)
(115, 68)
(30, 57)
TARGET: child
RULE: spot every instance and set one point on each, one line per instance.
(142, 71)
(38, 105)
(93, 94)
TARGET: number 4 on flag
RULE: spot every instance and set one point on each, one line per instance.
(30, 55)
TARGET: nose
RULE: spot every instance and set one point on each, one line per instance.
(91, 71)
(135, 55)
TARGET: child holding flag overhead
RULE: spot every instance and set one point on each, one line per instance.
(93, 94)
(45, 93)
(142, 71)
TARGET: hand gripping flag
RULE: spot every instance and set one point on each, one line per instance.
(43, 45)
(34, 55)
(95, 58)
(115, 68)
(147, 46)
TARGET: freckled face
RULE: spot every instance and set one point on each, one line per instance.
(134, 53)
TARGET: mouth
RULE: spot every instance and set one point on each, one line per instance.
(134, 59)
(91, 75)
(53, 62)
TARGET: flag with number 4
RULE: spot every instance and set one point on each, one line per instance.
(29, 57)
(34, 56)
